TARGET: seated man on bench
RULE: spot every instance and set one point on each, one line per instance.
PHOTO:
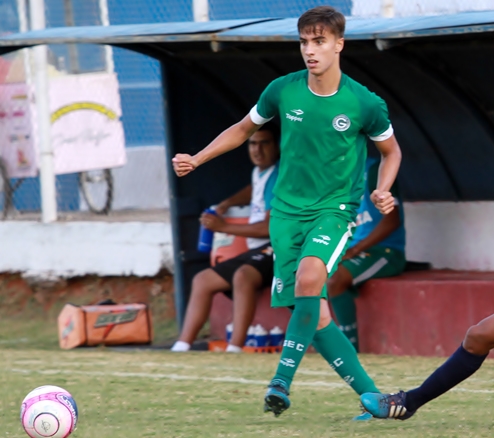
(377, 250)
(243, 276)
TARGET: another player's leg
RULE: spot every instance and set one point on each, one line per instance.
(340, 354)
(342, 296)
(247, 280)
(462, 364)
(204, 285)
(310, 279)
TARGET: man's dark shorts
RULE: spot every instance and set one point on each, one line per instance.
(259, 258)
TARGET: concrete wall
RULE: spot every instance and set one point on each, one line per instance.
(451, 235)
(80, 248)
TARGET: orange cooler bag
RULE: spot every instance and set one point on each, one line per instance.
(114, 324)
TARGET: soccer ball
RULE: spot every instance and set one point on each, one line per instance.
(49, 411)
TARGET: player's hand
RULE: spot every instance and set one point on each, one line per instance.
(351, 253)
(183, 164)
(212, 222)
(383, 201)
(221, 208)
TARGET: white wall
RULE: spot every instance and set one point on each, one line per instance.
(402, 8)
(451, 235)
(79, 248)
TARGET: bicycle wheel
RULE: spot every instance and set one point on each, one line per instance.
(6, 191)
(97, 189)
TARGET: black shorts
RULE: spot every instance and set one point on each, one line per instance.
(260, 258)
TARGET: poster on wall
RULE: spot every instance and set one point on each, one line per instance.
(87, 132)
(17, 144)
(86, 128)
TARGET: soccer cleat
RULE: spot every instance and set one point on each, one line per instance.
(276, 399)
(386, 405)
(364, 416)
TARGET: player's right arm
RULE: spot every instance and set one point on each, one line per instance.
(235, 135)
(228, 140)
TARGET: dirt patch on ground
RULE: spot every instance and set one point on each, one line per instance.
(19, 294)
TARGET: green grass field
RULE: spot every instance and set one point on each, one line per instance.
(160, 394)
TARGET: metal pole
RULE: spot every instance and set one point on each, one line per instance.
(46, 168)
(388, 8)
(200, 10)
(70, 22)
(105, 21)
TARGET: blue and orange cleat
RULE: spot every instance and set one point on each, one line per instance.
(386, 405)
(364, 416)
(276, 399)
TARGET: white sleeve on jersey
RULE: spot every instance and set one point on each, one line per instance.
(256, 117)
(384, 136)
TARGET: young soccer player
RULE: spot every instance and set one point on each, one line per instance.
(464, 362)
(326, 118)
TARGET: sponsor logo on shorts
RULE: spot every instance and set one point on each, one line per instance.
(322, 239)
(341, 123)
(279, 285)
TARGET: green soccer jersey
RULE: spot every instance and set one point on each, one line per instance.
(323, 144)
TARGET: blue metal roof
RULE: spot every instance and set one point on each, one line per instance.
(267, 29)
(372, 28)
(126, 33)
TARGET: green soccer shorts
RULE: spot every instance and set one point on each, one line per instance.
(326, 238)
(375, 262)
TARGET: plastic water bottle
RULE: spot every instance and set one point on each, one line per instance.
(205, 236)
(229, 331)
(250, 341)
(260, 336)
(276, 337)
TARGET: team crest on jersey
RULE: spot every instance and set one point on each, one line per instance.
(341, 123)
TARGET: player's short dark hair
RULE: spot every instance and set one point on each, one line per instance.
(322, 16)
(274, 129)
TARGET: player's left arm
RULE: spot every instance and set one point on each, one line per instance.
(388, 170)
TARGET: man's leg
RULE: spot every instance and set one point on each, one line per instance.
(342, 297)
(375, 262)
(310, 279)
(247, 280)
(464, 362)
(340, 354)
(204, 285)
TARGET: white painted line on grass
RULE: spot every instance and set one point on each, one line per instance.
(224, 379)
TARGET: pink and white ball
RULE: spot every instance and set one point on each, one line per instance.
(49, 411)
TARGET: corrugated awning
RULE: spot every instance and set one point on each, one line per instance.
(259, 30)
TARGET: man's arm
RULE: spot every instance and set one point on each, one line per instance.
(388, 169)
(228, 140)
(387, 225)
(217, 223)
(242, 197)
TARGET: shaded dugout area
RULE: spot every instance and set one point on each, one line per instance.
(434, 72)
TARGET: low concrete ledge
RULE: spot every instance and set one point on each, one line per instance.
(71, 249)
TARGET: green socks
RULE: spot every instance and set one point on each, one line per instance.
(299, 335)
(333, 345)
(346, 314)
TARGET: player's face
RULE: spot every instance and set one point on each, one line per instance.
(263, 150)
(320, 49)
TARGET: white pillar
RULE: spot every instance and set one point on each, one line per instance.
(46, 165)
(200, 10)
(105, 21)
(387, 8)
